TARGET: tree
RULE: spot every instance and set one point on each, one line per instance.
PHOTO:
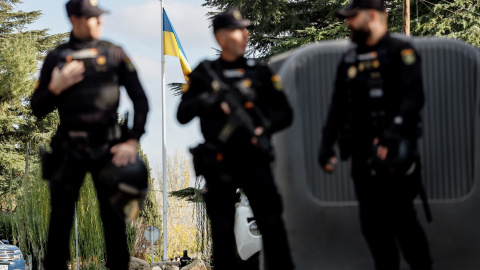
(20, 53)
(282, 25)
(149, 216)
(182, 221)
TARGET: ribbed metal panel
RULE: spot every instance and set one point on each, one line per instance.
(449, 69)
(321, 215)
(449, 73)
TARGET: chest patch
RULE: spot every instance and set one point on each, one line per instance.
(234, 73)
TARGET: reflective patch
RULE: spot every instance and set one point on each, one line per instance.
(101, 60)
(367, 56)
(398, 120)
(352, 72)
(85, 54)
(376, 93)
(234, 73)
(408, 57)
(129, 64)
(94, 3)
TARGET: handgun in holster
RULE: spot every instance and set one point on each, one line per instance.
(204, 156)
(54, 161)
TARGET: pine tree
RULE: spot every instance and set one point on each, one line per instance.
(20, 53)
(282, 25)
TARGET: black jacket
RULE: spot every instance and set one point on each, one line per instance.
(93, 102)
(269, 99)
(378, 90)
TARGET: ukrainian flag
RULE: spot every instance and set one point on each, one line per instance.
(172, 46)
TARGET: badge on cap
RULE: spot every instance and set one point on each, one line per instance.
(408, 57)
(94, 3)
(237, 15)
(352, 72)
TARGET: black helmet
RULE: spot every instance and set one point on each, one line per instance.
(130, 184)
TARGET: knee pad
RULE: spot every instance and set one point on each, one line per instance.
(129, 187)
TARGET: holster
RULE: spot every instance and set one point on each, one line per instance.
(54, 161)
(205, 155)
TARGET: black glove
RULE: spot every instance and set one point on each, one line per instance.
(324, 156)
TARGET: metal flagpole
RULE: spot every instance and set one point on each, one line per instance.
(164, 136)
(76, 236)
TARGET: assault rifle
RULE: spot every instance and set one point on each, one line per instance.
(240, 98)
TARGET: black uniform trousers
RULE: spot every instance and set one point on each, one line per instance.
(64, 195)
(256, 180)
(388, 218)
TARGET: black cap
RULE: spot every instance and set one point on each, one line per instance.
(87, 8)
(357, 5)
(231, 19)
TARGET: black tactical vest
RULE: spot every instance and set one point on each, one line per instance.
(93, 101)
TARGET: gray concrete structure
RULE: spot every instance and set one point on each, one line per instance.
(320, 209)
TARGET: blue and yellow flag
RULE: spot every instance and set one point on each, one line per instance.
(172, 45)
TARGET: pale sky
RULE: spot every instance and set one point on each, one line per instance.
(135, 25)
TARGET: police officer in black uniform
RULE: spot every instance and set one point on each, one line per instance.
(81, 78)
(237, 153)
(375, 115)
(185, 259)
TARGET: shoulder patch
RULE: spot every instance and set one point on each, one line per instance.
(277, 82)
(408, 56)
(36, 85)
(185, 87)
(129, 64)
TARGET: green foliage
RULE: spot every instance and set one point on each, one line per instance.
(149, 216)
(176, 88)
(90, 229)
(20, 53)
(189, 194)
(281, 25)
(459, 19)
(31, 214)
